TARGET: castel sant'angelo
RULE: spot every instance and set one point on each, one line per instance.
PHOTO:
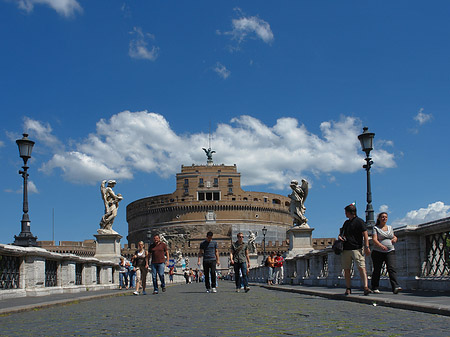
(208, 198)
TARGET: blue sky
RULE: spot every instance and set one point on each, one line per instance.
(128, 90)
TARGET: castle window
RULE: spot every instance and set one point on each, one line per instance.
(216, 182)
(209, 196)
(186, 182)
(230, 190)
(200, 182)
(230, 181)
(276, 201)
(266, 199)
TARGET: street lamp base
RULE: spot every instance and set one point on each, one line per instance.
(25, 240)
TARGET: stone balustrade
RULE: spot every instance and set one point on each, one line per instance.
(32, 271)
(423, 262)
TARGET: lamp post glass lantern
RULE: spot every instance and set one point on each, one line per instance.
(264, 231)
(25, 238)
(366, 140)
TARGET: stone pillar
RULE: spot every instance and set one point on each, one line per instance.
(90, 274)
(67, 273)
(300, 241)
(253, 257)
(34, 272)
(334, 270)
(107, 247)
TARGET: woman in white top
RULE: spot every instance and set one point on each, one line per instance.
(383, 251)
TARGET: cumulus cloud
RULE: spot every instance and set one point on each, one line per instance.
(41, 132)
(246, 27)
(384, 208)
(2, 143)
(222, 71)
(434, 211)
(32, 189)
(139, 45)
(143, 141)
(422, 117)
(65, 8)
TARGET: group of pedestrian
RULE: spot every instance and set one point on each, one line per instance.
(157, 258)
(355, 240)
(274, 263)
(239, 259)
(127, 274)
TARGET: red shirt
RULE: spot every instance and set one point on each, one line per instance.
(158, 252)
(278, 261)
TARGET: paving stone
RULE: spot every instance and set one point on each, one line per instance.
(187, 310)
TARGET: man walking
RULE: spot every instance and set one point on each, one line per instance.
(240, 260)
(208, 250)
(354, 234)
(160, 259)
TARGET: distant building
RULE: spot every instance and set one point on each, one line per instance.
(85, 248)
(208, 198)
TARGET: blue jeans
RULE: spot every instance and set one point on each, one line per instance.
(123, 279)
(242, 266)
(158, 269)
(270, 274)
(132, 278)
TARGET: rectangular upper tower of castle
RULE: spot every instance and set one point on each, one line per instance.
(208, 182)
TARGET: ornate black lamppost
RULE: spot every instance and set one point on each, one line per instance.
(264, 231)
(366, 139)
(25, 238)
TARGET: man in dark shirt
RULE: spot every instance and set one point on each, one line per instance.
(241, 262)
(160, 259)
(354, 234)
(208, 250)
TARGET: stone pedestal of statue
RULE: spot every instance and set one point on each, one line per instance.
(107, 246)
(253, 260)
(300, 240)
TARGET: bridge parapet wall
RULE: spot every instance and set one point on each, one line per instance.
(423, 262)
(33, 271)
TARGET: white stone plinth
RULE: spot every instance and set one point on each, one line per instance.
(107, 247)
(300, 241)
(253, 260)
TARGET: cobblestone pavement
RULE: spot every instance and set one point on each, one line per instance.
(186, 310)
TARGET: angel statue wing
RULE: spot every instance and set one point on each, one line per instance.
(305, 189)
(103, 193)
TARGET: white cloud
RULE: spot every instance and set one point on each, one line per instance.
(65, 8)
(434, 211)
(422, 117)
(222, 71)
(249, 27)
(2, 143)
(141, 141)
(384, 208)
(139, 45)
(32, 189)
(41, 132)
